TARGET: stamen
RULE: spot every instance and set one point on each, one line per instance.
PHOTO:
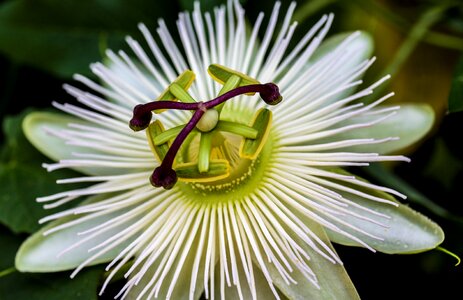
(205, 118)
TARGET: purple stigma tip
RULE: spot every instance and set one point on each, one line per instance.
(162, 177)
(271, 94)
(141, 119)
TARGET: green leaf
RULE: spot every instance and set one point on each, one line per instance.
(23, 179)
(8, 245)
(64, 37)
(50, 286)
(21, 184)
(39, 253)
(456, 91)
(411, 123)
(405, 231)
(16, 148)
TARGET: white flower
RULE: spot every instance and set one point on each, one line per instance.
(260, 228)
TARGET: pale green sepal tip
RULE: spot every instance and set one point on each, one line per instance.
(405, 231)
(39, 253)
(35, 127)
(412, 122)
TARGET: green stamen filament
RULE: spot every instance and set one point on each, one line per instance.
(180, 93)
(232, 83)
(205, 145)
(237, 128)
(167, 135)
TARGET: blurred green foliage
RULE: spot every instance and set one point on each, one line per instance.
(63, 37)
(44, 42)
(456, 91)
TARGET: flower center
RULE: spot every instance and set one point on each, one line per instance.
(207, 145)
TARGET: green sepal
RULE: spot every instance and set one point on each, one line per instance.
(153, 130)
(405, 230)
(218, 169)
(410, 124)
(262, 123)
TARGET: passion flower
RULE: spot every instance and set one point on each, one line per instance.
(246, 140)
